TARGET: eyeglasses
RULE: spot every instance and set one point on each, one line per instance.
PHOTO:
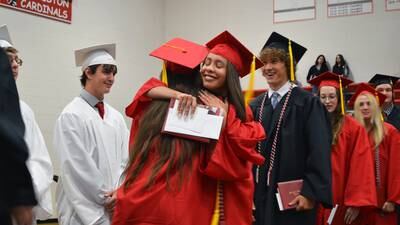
(16, 59)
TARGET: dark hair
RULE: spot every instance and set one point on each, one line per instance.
(11, 50)
(235, 93)
(107, 68)
(342, 61)
(277, 54)
(174, 152)
(186, 83)
(336, 118)
(323, 63)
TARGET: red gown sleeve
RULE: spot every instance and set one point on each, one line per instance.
(235, 151)
(139, 104)
(360, 188)
(393, 187)
(141, 100)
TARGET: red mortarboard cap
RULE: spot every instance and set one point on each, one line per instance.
(227, 46)
(330, 79)
(181, 55)
(363, 88)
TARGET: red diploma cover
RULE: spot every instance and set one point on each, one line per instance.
(287, 191)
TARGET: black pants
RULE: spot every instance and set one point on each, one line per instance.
(398, 214)
(5, 218)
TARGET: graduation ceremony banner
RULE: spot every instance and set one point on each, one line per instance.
(60, 10)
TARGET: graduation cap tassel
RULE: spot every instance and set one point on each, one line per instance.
(164, 74)
(215, 217)
(341, 95)
(250, 89)
(292, 78)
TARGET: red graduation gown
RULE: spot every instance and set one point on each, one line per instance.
(389, 190)
(353, 179)
(229, 161)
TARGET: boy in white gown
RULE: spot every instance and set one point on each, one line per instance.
(91, 141)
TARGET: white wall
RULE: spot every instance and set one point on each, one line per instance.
(369, 43)
(49, 79)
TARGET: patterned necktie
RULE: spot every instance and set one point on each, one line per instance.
(100, 107)
(274, 99)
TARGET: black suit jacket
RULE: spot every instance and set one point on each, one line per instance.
(394, 117)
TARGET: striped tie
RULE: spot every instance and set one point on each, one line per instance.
(274, 99)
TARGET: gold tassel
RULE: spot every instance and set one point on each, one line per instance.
(341, 95)
(164, 74)
(215, 217)
(250, 89)
(292, 78)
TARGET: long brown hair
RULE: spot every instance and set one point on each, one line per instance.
(235, 93)
(173, 152)
(337, 119)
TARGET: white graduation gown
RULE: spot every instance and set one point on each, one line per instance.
(39, 163)
(92, 153)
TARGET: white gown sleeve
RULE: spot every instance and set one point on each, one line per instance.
(39, 163)
(124, 149)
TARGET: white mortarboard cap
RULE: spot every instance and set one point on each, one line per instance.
(5, 40)
(99, 54)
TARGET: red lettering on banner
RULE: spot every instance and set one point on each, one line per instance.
(60, 10)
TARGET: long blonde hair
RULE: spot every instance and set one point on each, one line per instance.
(377, 129)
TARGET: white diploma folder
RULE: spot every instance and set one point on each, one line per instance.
(204, 125)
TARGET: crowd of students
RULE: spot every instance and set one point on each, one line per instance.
(109, 175)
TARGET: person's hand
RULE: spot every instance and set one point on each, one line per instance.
(111, 198)
(187, 104)
(351, 214)
(22, 215)
(211, 100)
(388, 207)
(302, 203)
